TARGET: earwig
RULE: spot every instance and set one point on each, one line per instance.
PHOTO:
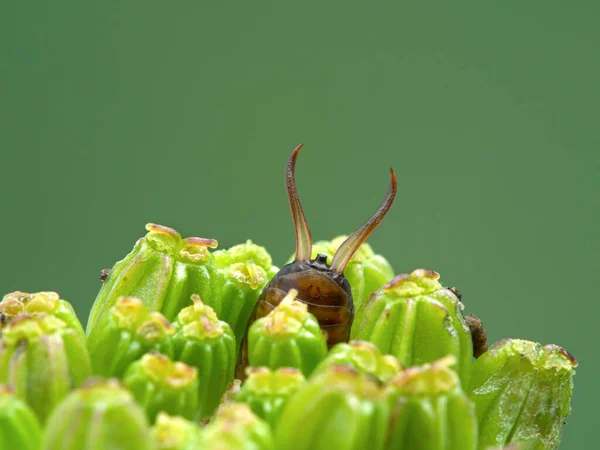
(478, 334)
(321, 286)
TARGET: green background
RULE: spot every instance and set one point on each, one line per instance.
(114, 114)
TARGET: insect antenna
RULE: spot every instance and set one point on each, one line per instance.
(303, 238)
(350, 245)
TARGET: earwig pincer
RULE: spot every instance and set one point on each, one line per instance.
(320, 285)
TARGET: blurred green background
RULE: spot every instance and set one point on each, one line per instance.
(114, 114)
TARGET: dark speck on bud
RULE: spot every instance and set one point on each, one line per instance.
(456, 292)
(104, 273)
(478, 335)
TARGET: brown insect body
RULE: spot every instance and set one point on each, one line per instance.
(327, 294)
(321, 286)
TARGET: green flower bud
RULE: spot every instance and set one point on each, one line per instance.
(414, 319)
(125, 333)
(366, 271)
(246, 269)
(522, 392)
(267, 392)
(430, 411)
(42, 359)
(175, 433)
(163, 270)
(50, 303)
(289, 336)
(340, 409)
(19, 427)
(101, 415)
(363, 357)
(235, 427)
(204, 342)
(159, 384)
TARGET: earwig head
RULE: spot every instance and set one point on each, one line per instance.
(350, 245)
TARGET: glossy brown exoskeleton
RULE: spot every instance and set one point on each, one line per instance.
(320, 285)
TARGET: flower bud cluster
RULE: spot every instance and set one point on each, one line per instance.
(155, 368)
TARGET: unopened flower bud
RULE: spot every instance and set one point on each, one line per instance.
(100, 415)
(162, 270)
(42, 359)
(522, 391)
(19, 427)
(289, 336)
(364, 357)
(429, 410)
(125, 333)
(235, 427)
(50, 303)
(338, 408)
(159, 384)
(246, 269)
(175, 433)
(208, 344)
(416, 320)
(267, 391)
